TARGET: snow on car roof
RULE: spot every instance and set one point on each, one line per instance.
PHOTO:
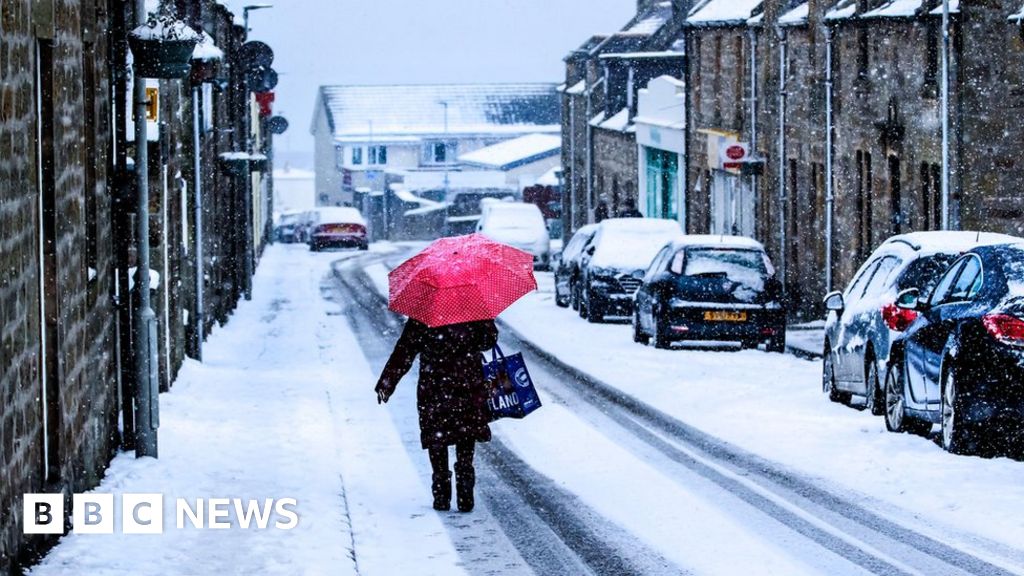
(717, 240)
(945, 241)
(631, 243)
(340, 214)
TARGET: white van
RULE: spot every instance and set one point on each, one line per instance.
(520, 225)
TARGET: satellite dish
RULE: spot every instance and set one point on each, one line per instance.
(277, 124)
(255, 54)
(261, 79)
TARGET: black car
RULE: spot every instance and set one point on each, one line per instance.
(567, 269)
(720, 288)
(961, 363)
(613, 263)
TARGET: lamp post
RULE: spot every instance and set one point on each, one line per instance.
(945, 115)
(445, 144)
(249, 252)
(245, 14)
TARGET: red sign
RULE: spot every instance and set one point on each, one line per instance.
(735, 152)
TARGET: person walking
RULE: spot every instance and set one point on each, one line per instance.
(629, 210)
(451, 292)
(451, 398)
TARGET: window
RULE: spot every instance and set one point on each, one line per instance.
(942, 290)
(968, 283)
(437, 152)
(864, 208)
(657, 265)
(931, 69)
(857, 287)
(895, 194)
(880, 279)
(357, 155)
(931, 196)
(378, 155)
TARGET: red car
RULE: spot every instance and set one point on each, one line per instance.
(338, 227)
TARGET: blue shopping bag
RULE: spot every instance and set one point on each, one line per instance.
(511, 390)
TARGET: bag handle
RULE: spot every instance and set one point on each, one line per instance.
(496, 352)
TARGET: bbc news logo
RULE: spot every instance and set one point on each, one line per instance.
(145, 513)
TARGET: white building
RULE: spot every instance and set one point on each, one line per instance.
(523, 160)
(361, 132)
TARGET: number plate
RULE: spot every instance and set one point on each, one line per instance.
(725, 316)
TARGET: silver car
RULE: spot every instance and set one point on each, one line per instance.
(862, 319)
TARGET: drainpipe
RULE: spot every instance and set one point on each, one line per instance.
(197, 187)
(829, 193)
(945, 115)
(572, 164)
(590, 145)
(147, 388)
(782, 159)
(753, 102)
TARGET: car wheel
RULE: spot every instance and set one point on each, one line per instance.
(777, 343)
(314, 248)
(661, 340)
(873, 401)
(594, 312)
(896, 419)
(638, 333)
(574, 296)
(957, 436)
(828, 378)
(582, 306)
(364, 246)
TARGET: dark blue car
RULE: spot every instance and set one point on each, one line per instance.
(961, 363)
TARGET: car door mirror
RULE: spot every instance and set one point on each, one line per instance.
(834, 302)
(910, 299)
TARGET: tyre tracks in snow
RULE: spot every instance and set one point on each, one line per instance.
(864, 538)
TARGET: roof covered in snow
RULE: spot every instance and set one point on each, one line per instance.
(516, 152)
(434, 180)
(722, 12)
(795, 17)
(651, 20)
(896, 9)
(403, 110)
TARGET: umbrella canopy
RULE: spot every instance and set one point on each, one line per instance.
(460, 279)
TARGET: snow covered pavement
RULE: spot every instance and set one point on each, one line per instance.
(282, 407)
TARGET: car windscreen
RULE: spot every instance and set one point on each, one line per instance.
(746, 267)
(924, 272)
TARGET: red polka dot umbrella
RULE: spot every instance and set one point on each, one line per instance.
(460, 279)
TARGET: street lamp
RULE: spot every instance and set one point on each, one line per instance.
(245, 14)
(445, 144)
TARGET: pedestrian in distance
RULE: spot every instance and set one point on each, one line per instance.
(601, 212)
(629, 210)
(451, 398)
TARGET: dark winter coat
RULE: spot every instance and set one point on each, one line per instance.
(451, 396)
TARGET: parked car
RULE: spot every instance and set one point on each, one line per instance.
(286, 225)
(520, 225)
(613, 263)
(961, 362)
(338, 227)
(304, 225)
(862, 320)
(720, 288)
(567, 266)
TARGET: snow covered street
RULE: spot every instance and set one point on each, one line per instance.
(641, 461)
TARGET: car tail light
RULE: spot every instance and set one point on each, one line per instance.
(896, 318)
(1005, 328)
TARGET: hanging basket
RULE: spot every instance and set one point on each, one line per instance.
(162, 48)
(234, 166)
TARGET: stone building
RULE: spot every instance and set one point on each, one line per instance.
(599, 105)
(834, 107)
(67, 209)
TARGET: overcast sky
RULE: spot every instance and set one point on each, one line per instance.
(415, 41)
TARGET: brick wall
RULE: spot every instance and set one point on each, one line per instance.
(82, 389)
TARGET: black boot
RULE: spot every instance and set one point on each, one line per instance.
(442, 490)
(465, 478)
